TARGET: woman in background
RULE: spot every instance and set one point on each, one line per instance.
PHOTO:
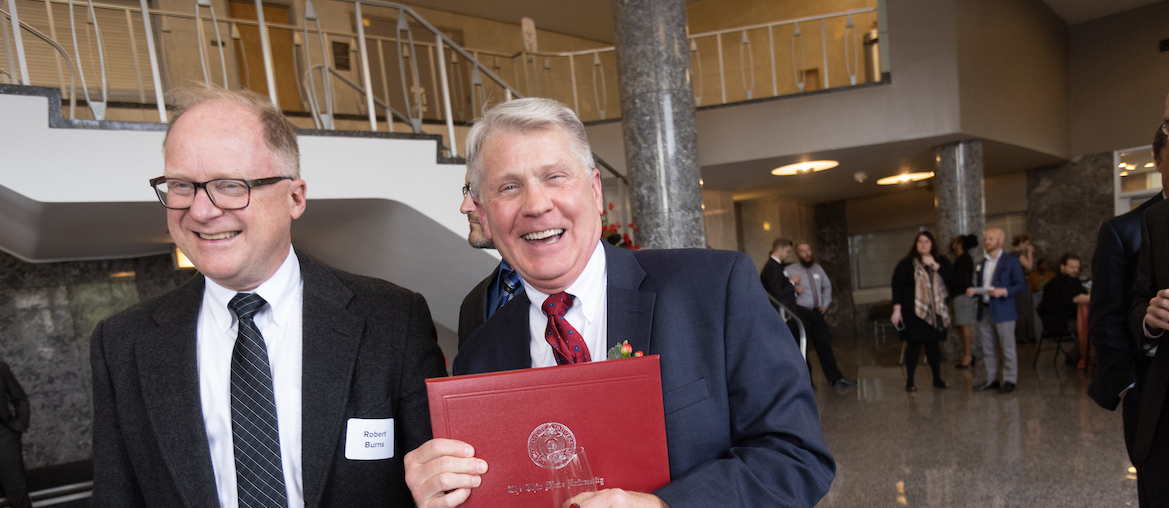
(919, 306)
(965, 307)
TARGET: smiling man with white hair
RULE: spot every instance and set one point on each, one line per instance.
(740, 417)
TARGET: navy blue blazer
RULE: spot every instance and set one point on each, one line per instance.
(741, 422)
(1008, 273)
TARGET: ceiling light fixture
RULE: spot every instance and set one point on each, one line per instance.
(904, 178)
(800, 168)
(1148, 164)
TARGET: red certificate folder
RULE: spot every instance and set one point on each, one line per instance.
(514, 419)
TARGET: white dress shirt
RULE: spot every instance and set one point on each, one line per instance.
(280, 324)
(588, 314)
(988, 272)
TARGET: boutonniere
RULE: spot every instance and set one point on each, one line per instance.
(622, 350)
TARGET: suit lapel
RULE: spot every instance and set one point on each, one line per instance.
(331, 335)
(630, 310)
(168, 368)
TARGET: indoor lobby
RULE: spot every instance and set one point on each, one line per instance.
(1035, 117)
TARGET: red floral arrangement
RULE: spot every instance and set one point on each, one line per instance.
(610, 233)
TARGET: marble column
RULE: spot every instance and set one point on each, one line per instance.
(958, 197)
(958, 191)
(657, 108)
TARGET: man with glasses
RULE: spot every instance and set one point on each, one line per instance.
(269, 379)
(1133, 370)
(494, 291)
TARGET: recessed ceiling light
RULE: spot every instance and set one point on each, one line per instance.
(904, 178)
(1149, 164)
(1124, 173)
(800, 168)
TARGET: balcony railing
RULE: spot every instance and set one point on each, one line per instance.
(395, 71)
(412, 68)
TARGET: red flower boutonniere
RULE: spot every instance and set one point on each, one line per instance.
(623, 350)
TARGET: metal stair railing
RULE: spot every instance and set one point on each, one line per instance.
(787, 315)
(64, 54)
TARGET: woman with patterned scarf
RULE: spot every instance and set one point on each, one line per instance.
(919, 306)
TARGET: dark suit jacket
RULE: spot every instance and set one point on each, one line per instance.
(1008, 273)
(1113, 266)
(367, 345)
(1152, 275)
(14, 408)
(473, 312)
(741, 422)
(777, 284)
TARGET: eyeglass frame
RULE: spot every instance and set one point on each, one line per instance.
(1165, 127)
(466, 189)
(250, 184)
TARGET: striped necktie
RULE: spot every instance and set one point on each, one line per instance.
(511, 284)
(259, 471)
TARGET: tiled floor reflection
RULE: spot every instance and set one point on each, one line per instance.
(1047, 444)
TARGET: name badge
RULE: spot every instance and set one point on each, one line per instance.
(369, 439)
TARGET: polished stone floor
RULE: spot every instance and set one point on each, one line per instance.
(1047, 444)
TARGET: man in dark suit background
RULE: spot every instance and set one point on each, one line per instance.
(1123, 367)
(14, 417)
(741, 420)
(997, 278)
(1148, 320)
(775, 282)
(494, 291)
(269, 379)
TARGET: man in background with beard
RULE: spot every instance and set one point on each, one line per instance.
(494, 291)
(813, 295)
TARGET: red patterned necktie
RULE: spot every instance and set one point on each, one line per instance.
(566, 342)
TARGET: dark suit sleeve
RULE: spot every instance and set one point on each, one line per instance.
(1144, 285)
(423, 360)
(114, 481)
(777, 455)
(18, 399)
(777, 284)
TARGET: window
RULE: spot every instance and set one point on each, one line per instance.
(875, 255)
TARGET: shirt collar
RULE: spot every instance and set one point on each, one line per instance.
(279, 291)
(777, 260)
(995, 258)
(589, 288)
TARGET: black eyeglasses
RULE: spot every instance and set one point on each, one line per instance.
(467, 187)
(225, 193)
(1165, 127)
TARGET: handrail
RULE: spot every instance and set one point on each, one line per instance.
(786, 314)
(358, 89)
(72, 72)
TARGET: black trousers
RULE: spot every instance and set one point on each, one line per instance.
(1152, 489)
(933, 355)
(819, 336)
(12, 483)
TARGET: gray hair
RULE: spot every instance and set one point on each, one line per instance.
(279, 134)
(523, 116)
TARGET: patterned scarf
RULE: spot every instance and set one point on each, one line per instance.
(929, 296)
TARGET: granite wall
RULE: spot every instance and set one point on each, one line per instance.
(47, 312)
(1066, 205)
(831, 251)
